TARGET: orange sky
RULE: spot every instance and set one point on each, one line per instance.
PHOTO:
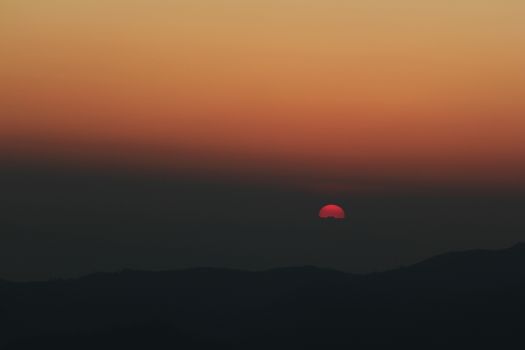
(427, 91)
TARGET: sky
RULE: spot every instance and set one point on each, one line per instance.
(420, 92)
(158, 134)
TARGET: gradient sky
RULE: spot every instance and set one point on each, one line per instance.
(329, 91)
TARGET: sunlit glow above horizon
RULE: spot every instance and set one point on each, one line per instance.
(419, 91)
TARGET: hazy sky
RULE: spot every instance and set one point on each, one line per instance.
(408, 113)
(417, 91)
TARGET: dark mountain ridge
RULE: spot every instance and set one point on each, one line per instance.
(472, 297)
(466, 269)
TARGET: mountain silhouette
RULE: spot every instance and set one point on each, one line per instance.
(467, 270)
(470, 299)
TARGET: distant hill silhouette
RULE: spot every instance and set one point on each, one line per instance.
(471, 299)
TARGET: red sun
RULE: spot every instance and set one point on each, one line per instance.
(332, 211)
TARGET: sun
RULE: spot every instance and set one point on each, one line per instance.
(332, 211)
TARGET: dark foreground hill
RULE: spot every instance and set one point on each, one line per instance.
(473, 299)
